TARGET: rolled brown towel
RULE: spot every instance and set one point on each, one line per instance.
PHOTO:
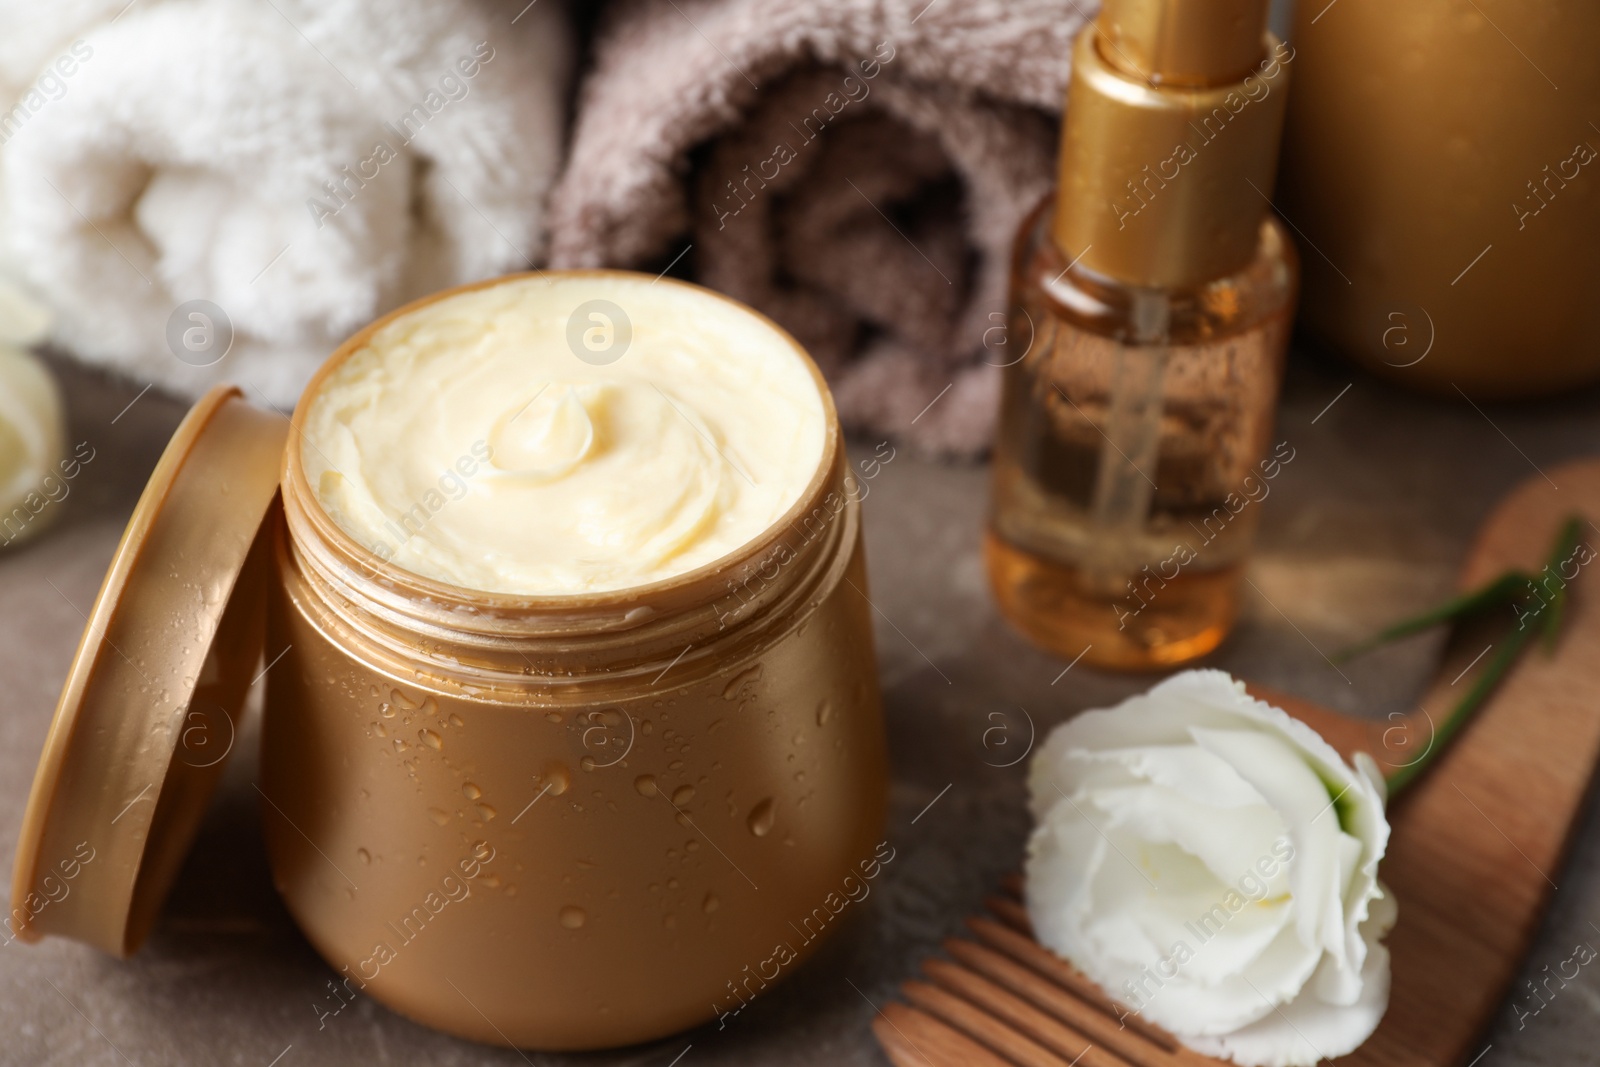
(856, 169)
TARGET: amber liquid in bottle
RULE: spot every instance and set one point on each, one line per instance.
(1133, 452)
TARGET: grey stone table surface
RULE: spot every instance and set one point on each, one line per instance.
(1369, 521)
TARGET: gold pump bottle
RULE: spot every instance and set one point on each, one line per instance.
(1151, 299)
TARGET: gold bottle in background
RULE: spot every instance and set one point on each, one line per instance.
(1443, 157)
(1152, 298)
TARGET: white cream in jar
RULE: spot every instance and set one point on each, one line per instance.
(496, 440)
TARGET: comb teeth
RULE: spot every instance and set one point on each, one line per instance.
(1003, 1000)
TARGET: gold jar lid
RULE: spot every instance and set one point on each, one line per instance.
(146, 718)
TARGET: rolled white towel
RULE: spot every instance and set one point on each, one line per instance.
(302, 166)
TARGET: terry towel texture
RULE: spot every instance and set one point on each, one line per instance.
(305, 165)
(857, 169)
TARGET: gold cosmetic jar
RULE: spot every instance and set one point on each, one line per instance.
(551, 822)
(1440, 164)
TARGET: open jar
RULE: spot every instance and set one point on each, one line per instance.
(554, 821)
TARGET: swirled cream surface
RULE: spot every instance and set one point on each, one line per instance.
(565, 434)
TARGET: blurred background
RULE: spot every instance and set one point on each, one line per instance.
(205, 191)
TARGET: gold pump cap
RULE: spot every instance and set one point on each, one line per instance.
(146, 718)
(1173, 43)
(1170, 141)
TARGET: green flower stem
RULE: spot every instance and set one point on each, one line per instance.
(1498, 593)
(1516, 589)
(1484, 684)
(1566, 545)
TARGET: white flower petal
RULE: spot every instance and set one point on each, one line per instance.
(32, 442)
(23, 320)
(1301, 799)
(1162, 716)
(1366, 821)
(1228, 943)
(1064, 854)
(1059, 769)
(1189, 1006)
(1309, 1029)
(1148, 916)
(1193, 772)
(1228, 841)
(1339, 982)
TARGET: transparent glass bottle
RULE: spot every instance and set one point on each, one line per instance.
(1152, 299)
(1133, 451)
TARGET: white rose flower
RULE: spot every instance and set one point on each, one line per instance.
(1212, 863)
(32, 422)
(23, 320)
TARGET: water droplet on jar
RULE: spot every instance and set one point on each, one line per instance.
(400, 744)
(573, 917)
(552, 716)
(710, 903)
(399, 699)
(558, 778)
(682, 795)
(761, 817)
(824, 712)
(750, 675)
(684, 820)
(386, 709)
(440, 816)
(588, 763)
(645, 727)
(455, 720)
(646, 785)
(492, 880)
(470, 791)
(363, 855)
(487, 812)
(431, 739)
(380, 729)
(691, 845)
(672, 883)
